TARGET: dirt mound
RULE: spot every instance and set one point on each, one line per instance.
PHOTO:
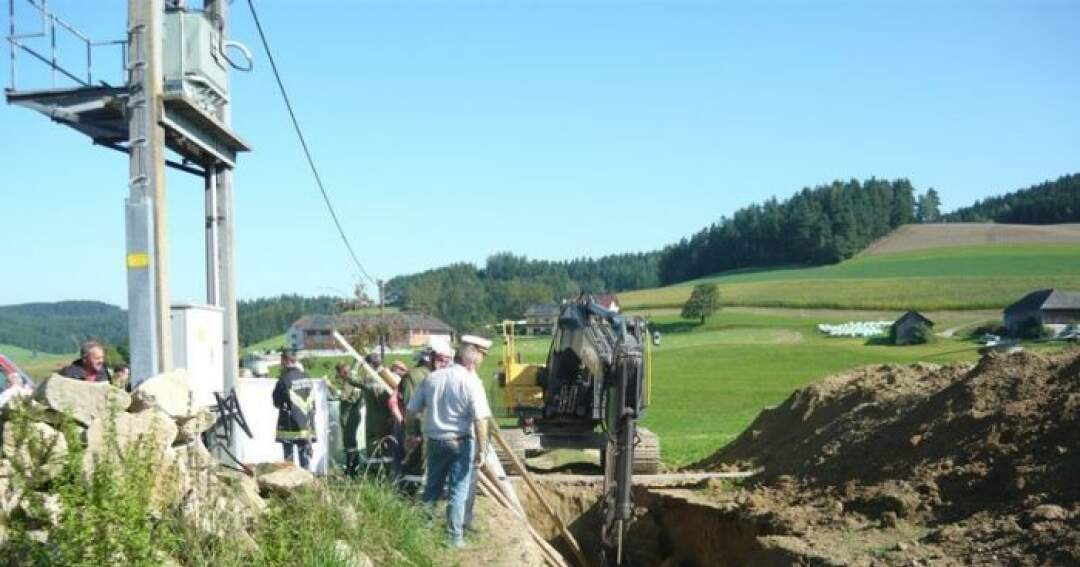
(980, 464)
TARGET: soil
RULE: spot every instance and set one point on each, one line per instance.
(501, 540)
(911, 465)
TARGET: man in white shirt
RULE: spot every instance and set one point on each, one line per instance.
(455, 413)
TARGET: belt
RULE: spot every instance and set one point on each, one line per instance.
(452, 438)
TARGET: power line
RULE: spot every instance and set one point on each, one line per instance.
(303, 143)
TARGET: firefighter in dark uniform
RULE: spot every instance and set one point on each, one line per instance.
(294, 398)
(350, 398)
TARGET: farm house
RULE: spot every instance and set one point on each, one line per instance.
(1053, 308)
(904, 330)
(406, 330)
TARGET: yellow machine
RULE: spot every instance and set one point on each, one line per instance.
(523, 395)
(590, 394)
(522, 391)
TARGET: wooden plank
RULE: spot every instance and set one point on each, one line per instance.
(563, 530)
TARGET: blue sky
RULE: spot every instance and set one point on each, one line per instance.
(446, 131)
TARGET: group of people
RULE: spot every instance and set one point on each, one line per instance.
(434, 418)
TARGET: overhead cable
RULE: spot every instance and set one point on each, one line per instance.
(303, 143)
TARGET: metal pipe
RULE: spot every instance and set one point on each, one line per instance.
(46, 61)
(35, 34)
(52, 35)
(213, 285)
(11, 39)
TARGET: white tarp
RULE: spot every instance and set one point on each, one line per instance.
(256, 401)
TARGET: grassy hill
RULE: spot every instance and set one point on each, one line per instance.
(61, 326)
(960, 277)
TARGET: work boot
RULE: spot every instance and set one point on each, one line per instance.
(352, 464)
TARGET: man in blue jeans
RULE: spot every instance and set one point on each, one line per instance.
(455, 413)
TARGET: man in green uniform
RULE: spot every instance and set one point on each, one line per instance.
(349, 397)
(378, 426)
(413, 466)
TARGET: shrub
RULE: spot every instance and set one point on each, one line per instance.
(921, 335)
(1032, 328)
(987, 329)
(104, 515)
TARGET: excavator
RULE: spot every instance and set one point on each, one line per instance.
(589, 395)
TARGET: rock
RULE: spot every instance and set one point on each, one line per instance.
(44, 508)
(889, 519)
(84, 401)
(284, 481)
(245, 489)
(9, 495)
(171, 482)
(41, 450)
(153, 426)
(190, 428)
(351, 557)
(169, 392)
(213, 509)
(1047, 513)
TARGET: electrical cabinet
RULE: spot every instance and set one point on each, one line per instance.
(198, 347)
(192, 58)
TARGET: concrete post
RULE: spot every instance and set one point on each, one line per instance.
(147, 261)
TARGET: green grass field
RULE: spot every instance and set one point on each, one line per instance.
(970, 277)
(273, 343)
(711, 380)
(36, 364)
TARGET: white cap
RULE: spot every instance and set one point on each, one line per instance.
(440, 346)
(479, 342)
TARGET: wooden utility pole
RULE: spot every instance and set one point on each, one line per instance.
(147, 242)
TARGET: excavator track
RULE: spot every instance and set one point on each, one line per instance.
(647, 452)
(515, 438)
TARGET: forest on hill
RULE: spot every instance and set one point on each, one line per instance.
(1050, 202)
(816, 226)
(60, 327)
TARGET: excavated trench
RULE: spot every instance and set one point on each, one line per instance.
(672, 527)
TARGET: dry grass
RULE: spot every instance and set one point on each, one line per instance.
(922, 236)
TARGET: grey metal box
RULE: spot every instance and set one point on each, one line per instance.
(192, 58)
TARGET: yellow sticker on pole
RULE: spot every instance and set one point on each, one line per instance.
(138, 260)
